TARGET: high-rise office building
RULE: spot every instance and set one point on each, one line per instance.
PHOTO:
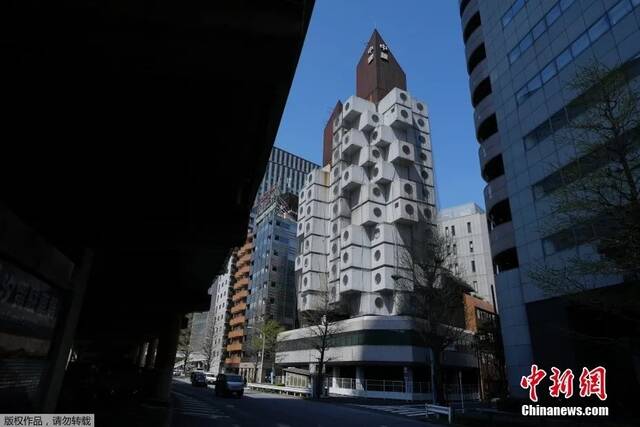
(358, 215)
(466, 232)
(520, 56)
(285, 171)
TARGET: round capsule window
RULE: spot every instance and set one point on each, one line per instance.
(420, 106)
(308, 210)
(346, 139)
(345, 280)
(346, 175)
(335, 190)
(335, 208)
(377, 255)
(334, 269)
(375, 118)
(374, 135)
(409, 209)
(379, 303)
(404, 114)
(422, 139)
(376, 233)
(403, 96)
(336, 172)
(376, 171)
(427, 213)
(345, 235)
(334, 248)
(408, 188)
(334, 228)
(309, 194)
(377, 192)
(378, 279)
(420, 122)
(305, 281)
(347, 106)
(306, 262)
(336, 121)
(377, 212)
(308, 227)
(424, 174)
(423, 156)
(375, 154)
(345, 257)
(406, 150)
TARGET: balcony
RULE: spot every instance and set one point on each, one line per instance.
(238, 308)
(240, 295)
(243, 270)
(232, 361)
(245, 259)
(242, 282)
(502, 237)
(236, 346)
(236, 333)
(489, 149)
(495, 192)
(238, 320)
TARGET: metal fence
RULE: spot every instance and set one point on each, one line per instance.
(379, 385)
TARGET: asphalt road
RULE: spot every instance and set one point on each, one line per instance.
(196, 406)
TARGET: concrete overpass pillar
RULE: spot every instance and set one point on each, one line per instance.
(360, 381)
(151, 354)
(336, 375)
(166, 358)
(143, 354)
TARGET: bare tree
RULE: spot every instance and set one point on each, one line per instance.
(262, 344)
(322, 321)
(428, 289)
(595, 200)
(207, 343)
(184, 342)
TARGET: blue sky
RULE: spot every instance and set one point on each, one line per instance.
(425, 38)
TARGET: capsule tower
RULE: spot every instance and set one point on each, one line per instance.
(373, 198)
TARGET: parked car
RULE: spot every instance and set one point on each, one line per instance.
(211, 377)
(227, 384)
(198, 379)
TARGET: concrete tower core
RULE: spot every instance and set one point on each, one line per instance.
(378, 71)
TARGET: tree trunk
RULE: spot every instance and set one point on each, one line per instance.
(436, 378)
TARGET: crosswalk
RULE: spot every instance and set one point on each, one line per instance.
(190, 406)
(406, 410)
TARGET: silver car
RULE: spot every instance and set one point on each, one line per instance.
(228, 384)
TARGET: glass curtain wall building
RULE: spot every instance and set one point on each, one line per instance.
(520, 56)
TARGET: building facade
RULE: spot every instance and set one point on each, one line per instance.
(465, 228)
(285, 171)
(520, 56)
(221, 292)
(359, 217)
(272, 288)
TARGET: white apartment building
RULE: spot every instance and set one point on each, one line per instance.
(465, 227)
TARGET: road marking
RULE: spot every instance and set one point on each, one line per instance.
(190, 406)
(405, 410)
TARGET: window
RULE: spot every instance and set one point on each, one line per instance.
(272, 300)
(598, 29)
(274, 268)
(455, 249)
(563, 59)
(473, 266)
(526, 42)
(275, 252)
(468, 227)
(538, 30)
(273, 284)
(453, 230)
(548, 72)
(619, 11)
(471, 246)
(277, 237)
(446, 231)
(475, 285)
(581, 43)
(553, 15)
